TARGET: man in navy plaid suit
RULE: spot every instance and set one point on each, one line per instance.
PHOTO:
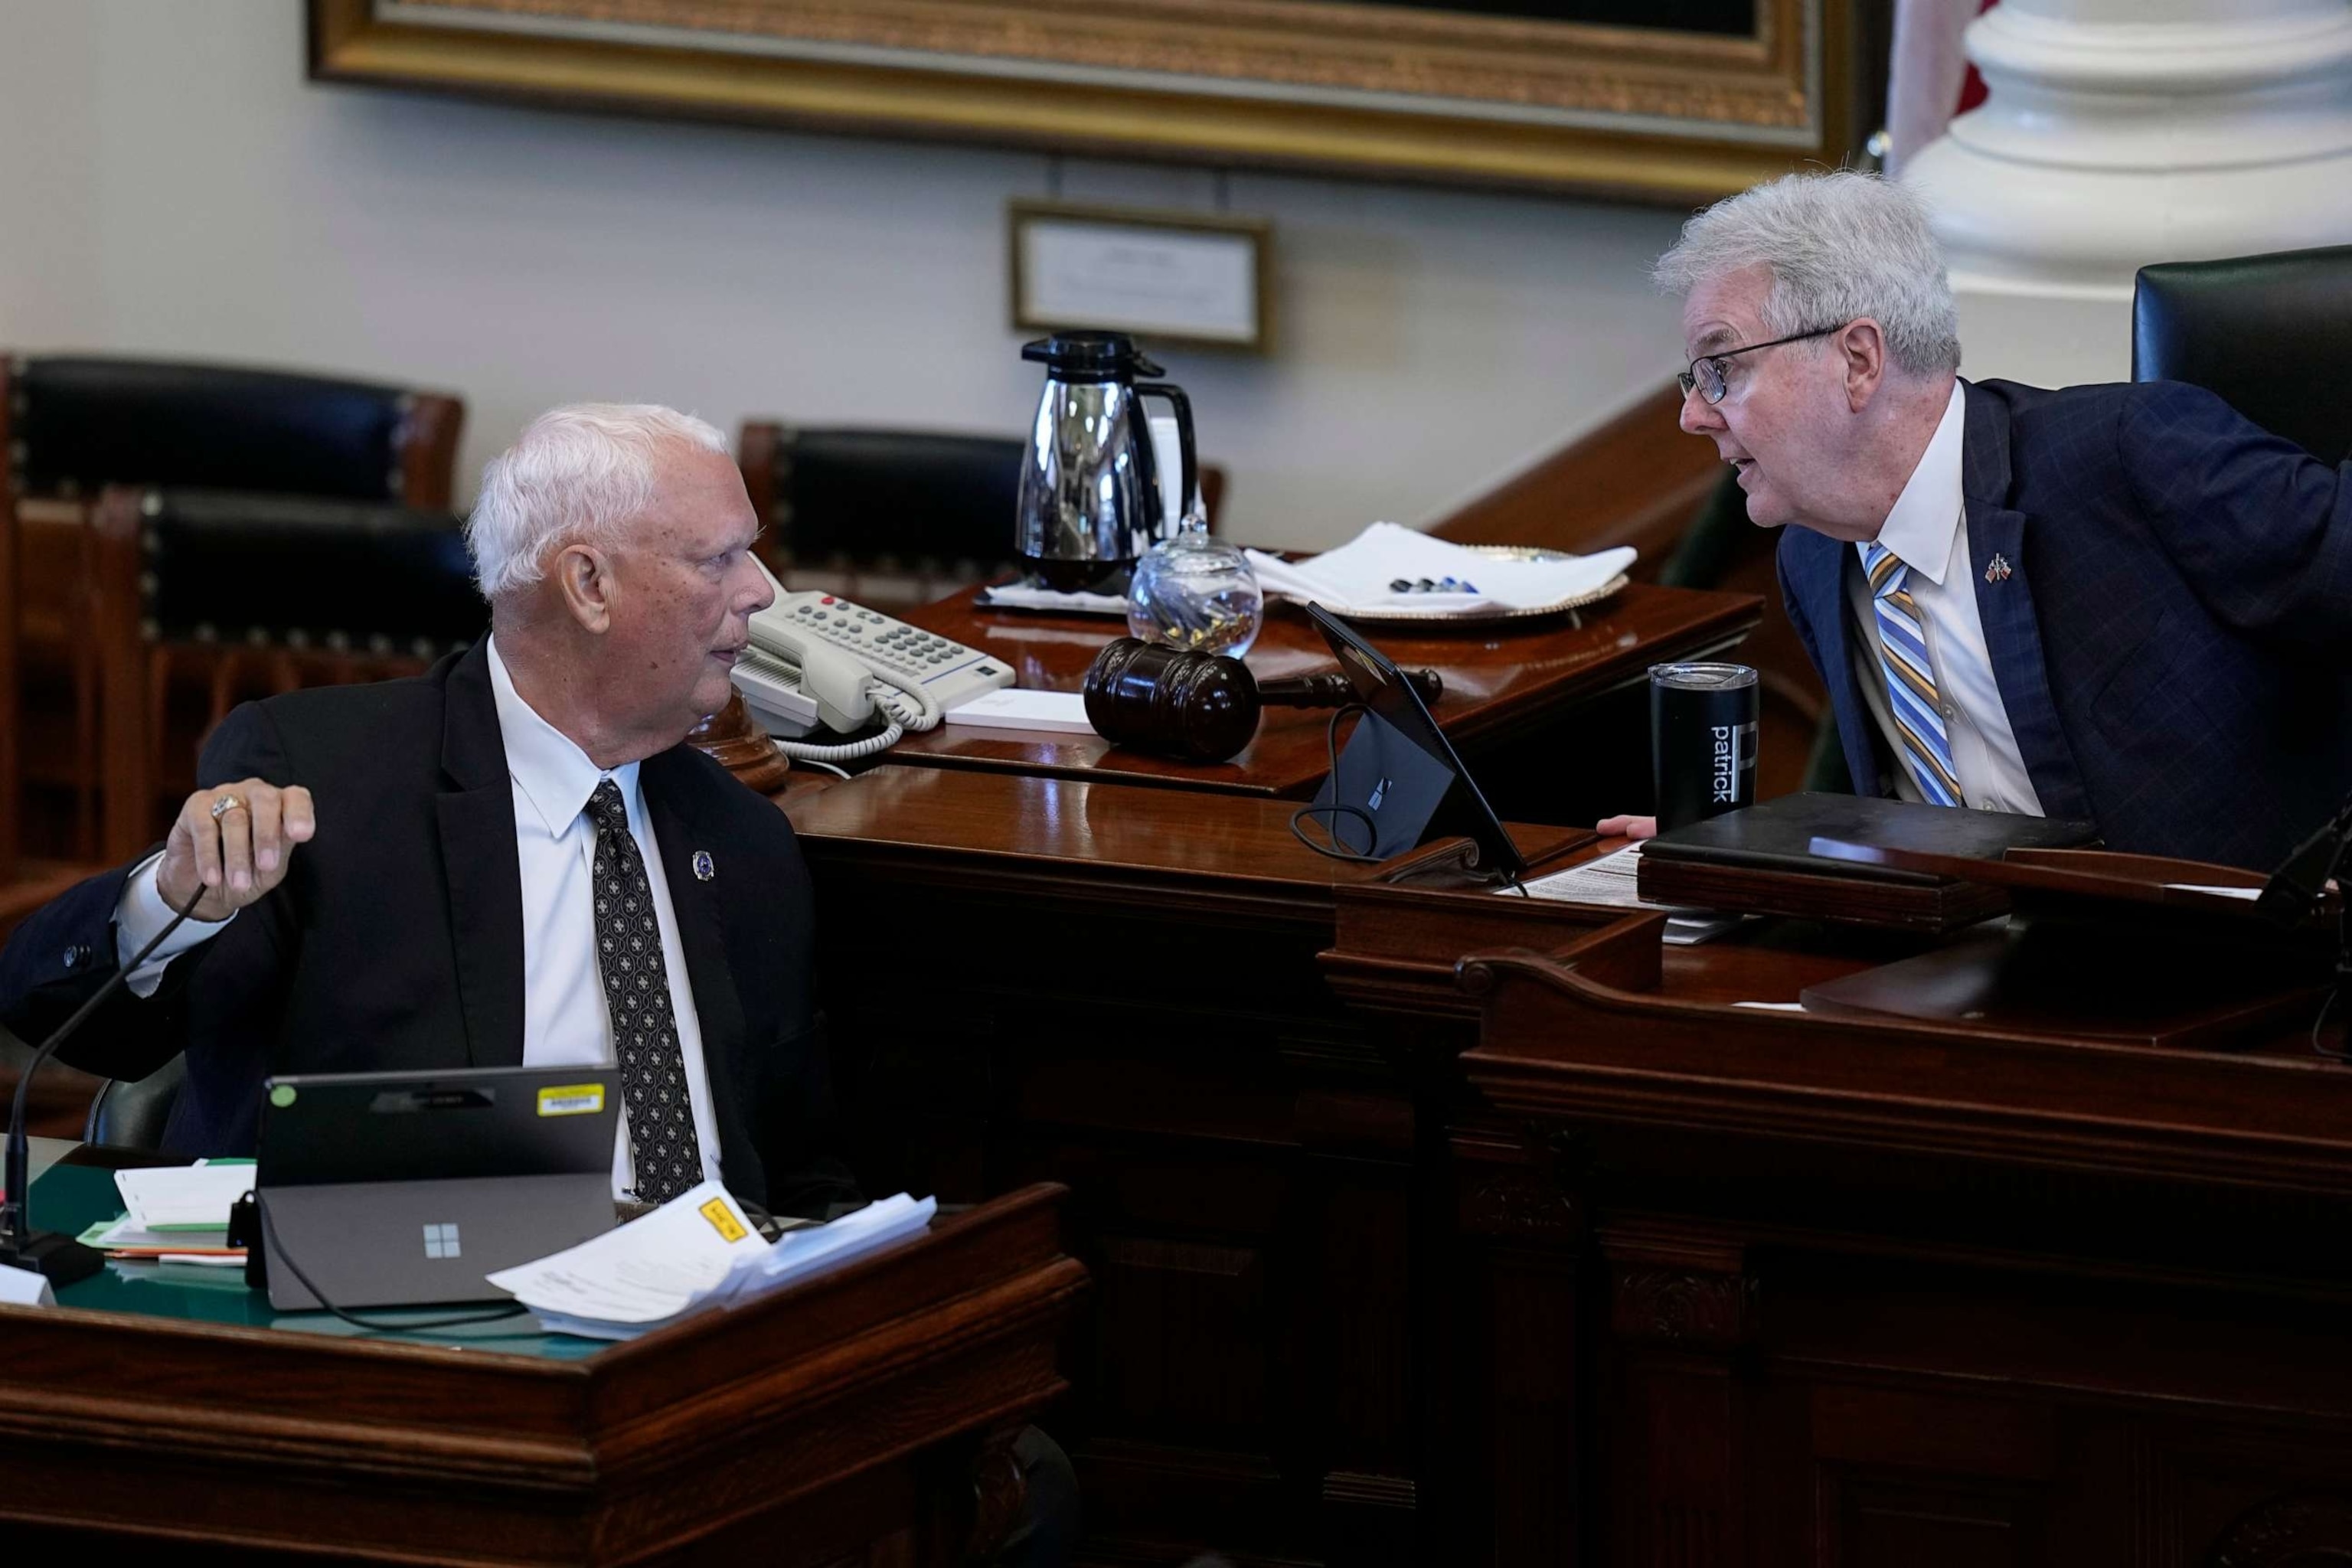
(2123, 603)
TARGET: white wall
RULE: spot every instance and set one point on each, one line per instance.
(171, 184)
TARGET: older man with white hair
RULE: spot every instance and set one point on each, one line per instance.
(413, 875)
(403, 876)
(2122, 602)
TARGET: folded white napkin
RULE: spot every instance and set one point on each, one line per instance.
(1357, 574)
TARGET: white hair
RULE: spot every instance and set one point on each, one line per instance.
(1842, 245)
(577, 474)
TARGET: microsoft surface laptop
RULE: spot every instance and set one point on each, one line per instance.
(399, 1189)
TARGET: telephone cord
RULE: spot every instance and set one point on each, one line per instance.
(846, 751)
(904, 710)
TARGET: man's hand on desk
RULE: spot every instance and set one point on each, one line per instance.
(1635, 827)
(235, 839)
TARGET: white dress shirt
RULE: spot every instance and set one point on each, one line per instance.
(565, 1019)
(1928, 532)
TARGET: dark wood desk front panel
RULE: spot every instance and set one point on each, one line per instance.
(1873, 1292)
(1562, 1256)
(1506, 690)
(1121, 987)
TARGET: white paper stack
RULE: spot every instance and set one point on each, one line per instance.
(1011, 708)
(184, 1197)
(1358, 575)
(696, 1252)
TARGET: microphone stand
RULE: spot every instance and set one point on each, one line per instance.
(2298, 890)
(56, 1257)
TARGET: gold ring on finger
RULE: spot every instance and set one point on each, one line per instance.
(227, 803)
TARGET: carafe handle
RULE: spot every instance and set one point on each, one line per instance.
(1188, 459)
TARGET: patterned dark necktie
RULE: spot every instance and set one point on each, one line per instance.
(662, 1144)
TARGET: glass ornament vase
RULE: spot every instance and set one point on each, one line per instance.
(1195, 593)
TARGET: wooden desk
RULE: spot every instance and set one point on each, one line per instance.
(1434, 1225)
(1851, 1291)
(1119, 989)
(1505, 689)
(853, 1419)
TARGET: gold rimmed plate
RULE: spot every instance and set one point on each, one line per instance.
(1398, 615)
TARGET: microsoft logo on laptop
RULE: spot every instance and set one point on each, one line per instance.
(440, 1241)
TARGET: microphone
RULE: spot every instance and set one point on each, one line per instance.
(2297, 887)
(56, 1257)
(1201, 707)
(2298, 890)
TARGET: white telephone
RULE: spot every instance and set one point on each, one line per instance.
(819, 660)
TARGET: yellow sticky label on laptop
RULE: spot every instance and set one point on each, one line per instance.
(570, 1098)
(723, 1220)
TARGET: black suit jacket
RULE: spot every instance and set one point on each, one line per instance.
(396, 941)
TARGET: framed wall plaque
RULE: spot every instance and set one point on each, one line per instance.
(1165, 277)
(1669, 100)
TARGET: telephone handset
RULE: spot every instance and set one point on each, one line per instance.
(819, 660)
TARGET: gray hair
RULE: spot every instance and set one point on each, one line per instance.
(577, 474)
(1841, 245)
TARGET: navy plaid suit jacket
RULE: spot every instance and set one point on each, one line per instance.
(2173, 640)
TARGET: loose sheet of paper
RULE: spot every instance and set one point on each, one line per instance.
(695, 1252)
(126, 1236)
(184, 1197)
(1613, 879)
(1613, 882)
(642, 1272)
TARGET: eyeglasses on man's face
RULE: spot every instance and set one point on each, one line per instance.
(1707, 373)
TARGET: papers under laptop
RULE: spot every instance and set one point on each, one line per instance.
(695, 1252)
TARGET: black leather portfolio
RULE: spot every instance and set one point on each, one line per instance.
(1760, 859)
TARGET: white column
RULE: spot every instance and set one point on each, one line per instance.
(2121, 132)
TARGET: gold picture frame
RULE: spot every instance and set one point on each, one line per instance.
(1460, 94)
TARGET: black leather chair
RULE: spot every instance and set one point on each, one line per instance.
(890, 518)
(303, 573)
(79, 422)
(2272, 334)
(253, 593)
(132, 1114)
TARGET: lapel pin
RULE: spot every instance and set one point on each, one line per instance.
(703, 868)
(1999, 571)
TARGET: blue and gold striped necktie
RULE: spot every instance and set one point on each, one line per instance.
(1910, 682)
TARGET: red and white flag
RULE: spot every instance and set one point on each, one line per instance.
(1928, 81)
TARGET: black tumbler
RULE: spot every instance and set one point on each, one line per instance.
(1702, 740)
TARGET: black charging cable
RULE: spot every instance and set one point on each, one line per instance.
(1338, 849)
(275, 1251)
